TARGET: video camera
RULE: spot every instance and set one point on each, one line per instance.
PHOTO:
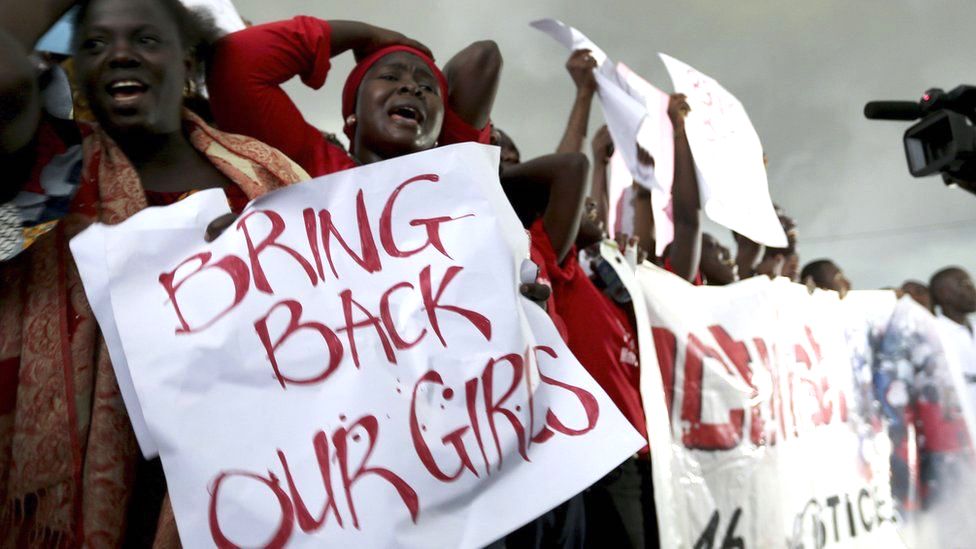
(944, 140)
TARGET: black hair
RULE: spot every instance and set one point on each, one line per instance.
(816, 270)
(913, 282)
(938, 279)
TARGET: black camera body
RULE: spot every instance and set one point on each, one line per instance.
(944, 140)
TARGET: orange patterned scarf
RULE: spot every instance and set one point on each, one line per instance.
(67, 451)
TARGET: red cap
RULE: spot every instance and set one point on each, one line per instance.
(351, 89)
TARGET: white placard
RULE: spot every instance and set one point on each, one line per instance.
(624, 113)
(351, 363)
(656, 134)
(728, 157)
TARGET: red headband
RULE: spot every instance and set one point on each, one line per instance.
(351, 89)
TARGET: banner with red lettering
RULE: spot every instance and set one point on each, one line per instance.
(351, 363)
(775, 440)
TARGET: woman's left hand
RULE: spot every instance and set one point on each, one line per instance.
(218, 226)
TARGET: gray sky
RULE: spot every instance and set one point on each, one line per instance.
(803, 70)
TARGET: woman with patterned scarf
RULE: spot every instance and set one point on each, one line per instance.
(68, 455)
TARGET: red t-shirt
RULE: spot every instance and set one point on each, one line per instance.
(538, 256)
(600, 333)
(245, 81)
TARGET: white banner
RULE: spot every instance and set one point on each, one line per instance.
(728, 157)
(769, 444)
(351, 363)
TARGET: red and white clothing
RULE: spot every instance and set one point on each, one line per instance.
(600, 334)
(245, 81)
(539, 249)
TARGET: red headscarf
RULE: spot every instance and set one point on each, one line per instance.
(351, 88)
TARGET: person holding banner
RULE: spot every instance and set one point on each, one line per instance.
(826, 275)
(919, 292)
(67, 450)
(683, 256)
(717, 266)
(602, 336)
(600, 332)
(549, 190)
(954, 297)
(510, 154)
(775, 261)
(396, 100)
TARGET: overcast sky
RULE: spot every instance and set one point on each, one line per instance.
(803, 70)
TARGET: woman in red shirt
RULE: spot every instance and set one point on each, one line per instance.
(395, 102)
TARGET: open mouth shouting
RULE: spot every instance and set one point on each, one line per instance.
(126, 92)
(407, 114)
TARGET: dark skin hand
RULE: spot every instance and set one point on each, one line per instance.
(580, 66)
(625, 241)
(686, 248)
(363, 39)
(20, 105)
(218, 226)
(538, 293)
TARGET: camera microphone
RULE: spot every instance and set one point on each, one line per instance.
(892, 110)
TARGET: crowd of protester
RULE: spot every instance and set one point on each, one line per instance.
(135, 129)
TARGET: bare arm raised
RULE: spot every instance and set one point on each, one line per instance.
(564, 177)
(686, 249)
(580, 66)
(472, 79)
